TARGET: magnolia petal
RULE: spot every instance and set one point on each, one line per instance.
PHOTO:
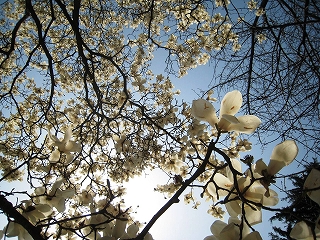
(35, 215)
(275, 166)
(222, 182)
(223, 124)
(60, 206)
(260, 166)
(45, 209)
(285, 152)
(247, 124)
(67, 135)
(13, 229)
(243, 182)
(231, 103)
(300, 231)
(233, 208)
(26, 236)
(148, 236)
(210, 238)
(124, 236)
(54, 156)
(250, 193)
(53, 138)
(245, 228)
(255, 235)
(230, 118)
(271, 200)
(313, 181)
(40, 190)
(253, 196)
(119, 228)
(211, 188)
(56, 185)
(72, 146)
(107, 231)
(132, 230)
(236, 164)
(253, 216)
(217, 226)
(226, 120)
(234, 220)
(69, 158)
(68, 193)
(230, 232)
(203, 110)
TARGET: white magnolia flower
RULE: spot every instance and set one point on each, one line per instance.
(65, 145)
(255, 193)
(282, 155)
(203, 110)
(313, 181)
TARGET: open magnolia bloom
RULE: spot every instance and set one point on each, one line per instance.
(203, 110)
(253, 192)
(282, 155)
(65, 145)
(313, 181)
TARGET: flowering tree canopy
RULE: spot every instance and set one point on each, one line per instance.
(84, 111)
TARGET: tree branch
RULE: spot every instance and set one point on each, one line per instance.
(175, 197)
(11, 212)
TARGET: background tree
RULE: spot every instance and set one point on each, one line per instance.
(300, 208)
(82, 110)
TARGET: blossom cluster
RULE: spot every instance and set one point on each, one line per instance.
(244, 194)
